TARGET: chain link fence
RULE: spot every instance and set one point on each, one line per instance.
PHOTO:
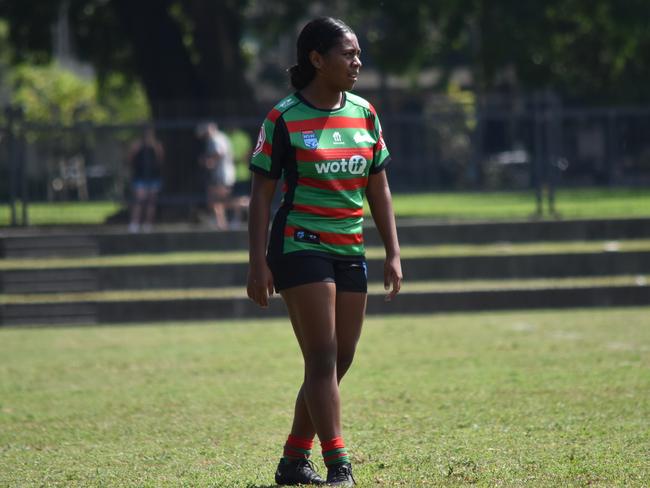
(534, 144)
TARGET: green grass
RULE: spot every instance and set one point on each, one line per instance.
(407, 252)
(62, 213)
(579, 203)
(373, 288)
(494, 399)
(574, 203)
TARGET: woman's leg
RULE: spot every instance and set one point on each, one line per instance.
(312, 308)
(137, 207)
(350, 312)
(219, 197)
(150, 214)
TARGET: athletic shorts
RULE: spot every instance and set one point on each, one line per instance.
(349, 275)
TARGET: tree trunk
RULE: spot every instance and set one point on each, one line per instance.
(186, 85)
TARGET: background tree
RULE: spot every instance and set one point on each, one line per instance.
(190, 50)
(188, 53)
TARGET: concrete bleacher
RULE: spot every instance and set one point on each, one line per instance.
(69, 293)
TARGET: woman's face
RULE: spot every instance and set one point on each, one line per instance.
(341, 64)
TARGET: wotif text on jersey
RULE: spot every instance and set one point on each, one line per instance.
(356, 166)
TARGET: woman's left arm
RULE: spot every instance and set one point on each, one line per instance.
(381, 206)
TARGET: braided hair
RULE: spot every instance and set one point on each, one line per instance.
(319, 35)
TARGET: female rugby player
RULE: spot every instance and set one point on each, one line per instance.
(327, 145)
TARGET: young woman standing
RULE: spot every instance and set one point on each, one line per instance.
(327, 145)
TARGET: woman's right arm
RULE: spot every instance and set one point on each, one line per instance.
(260, 279)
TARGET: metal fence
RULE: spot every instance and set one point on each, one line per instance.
(499, 144)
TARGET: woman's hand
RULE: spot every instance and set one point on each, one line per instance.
(381, 206)
(392, 276)
(260, 279)
(260, 283)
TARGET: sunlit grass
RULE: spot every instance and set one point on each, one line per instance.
(407, 252)
(62, 213)
(373, 289)
(574, 203)
(549, 399)
(570, 203)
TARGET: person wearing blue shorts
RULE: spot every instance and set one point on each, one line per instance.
(146, 159)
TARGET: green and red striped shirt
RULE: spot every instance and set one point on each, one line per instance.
(325, 158)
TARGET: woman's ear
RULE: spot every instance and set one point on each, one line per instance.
(316, 59)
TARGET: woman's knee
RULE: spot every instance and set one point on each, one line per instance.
(321, 362)
(343, 363)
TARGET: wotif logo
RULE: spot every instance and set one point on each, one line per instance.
(356, 165)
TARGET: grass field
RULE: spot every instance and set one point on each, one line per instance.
(570, 203)
(547, 398)
(407, 252)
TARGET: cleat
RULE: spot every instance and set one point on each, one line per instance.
(340, 475)
(298, 472)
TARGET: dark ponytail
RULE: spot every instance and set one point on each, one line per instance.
(319, 35)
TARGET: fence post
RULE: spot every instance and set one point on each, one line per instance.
(475, 172)
(553, 163)
(22, 164)
(13, 167)
(538, 165)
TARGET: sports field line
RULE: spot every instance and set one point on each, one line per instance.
(373, 289)
(407, 252)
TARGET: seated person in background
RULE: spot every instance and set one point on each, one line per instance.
(146, 159)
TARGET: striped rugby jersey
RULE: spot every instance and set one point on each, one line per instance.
(325, 158)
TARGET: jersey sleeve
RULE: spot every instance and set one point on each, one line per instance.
(381, 156)
(272, 146)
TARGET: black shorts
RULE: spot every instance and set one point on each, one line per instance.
(293, 270)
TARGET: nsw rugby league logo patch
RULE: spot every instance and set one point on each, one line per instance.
(310, 139)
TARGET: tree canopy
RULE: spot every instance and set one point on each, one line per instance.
(191, 51)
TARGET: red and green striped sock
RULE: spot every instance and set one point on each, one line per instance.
(297, 448)
(334, 452)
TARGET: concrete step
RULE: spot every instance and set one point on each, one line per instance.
(415, 269)
(138, 311)
(79, 313)
(49, 245)
(48, 280)
(110, 240)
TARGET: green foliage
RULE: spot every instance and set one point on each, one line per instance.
(241, 146)
(401, 35)
(124, 99)
(592, 52)
(589, 51)
(5, 60)
(53, 94)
